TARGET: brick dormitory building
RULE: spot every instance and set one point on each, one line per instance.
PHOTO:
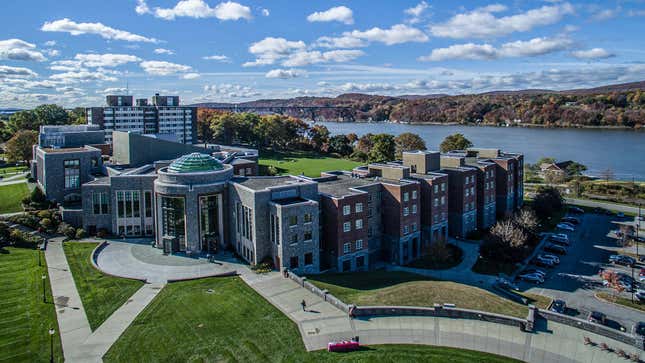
(196, 199)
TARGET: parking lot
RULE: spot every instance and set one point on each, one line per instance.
(577, 278)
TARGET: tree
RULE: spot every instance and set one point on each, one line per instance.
(607, 174)
(340, 144)
(22, 120)
(383, 148)
(575, 169)
(18, 148)
(547, 201)
(318, 135)
(408, 141)
(455, 142)
(51, 115)
(76, 116)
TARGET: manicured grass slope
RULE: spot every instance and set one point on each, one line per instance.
(401, 288)
(308, 163)
(24, 318)
(234, 324)
(11, 197)
(101, 294)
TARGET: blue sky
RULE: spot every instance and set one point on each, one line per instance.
(74, 52)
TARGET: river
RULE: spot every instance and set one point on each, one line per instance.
(622, 151)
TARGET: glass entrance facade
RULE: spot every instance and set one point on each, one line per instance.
(173, 219)
(209, 222)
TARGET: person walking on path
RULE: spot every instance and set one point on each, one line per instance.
(304, 305)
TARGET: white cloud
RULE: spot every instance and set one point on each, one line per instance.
(200, 9)
(69, 26)
(636, 13)
(284, 73)
(113, 91)
(341, 14)
(520, 48)
(482, 23)
(605, 14)
(164, 51)
(416, 12)
(227, 91)
(270, 49)
(397, 34)
(594, 53)
(190, 76)
(162, 68)
(142, 7)
(304, 58)
(105, 60)
(17, 49)
(50, 43)
(52, 52)
(81, 77)
(16, 72)
(265, 12)
(218, 58)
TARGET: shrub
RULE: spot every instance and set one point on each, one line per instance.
(80, 233)
(70, 232)
(46, 223)
(44, 214)
(101, 233)
(37, 196)
(27, 220)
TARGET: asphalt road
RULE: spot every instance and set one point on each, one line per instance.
(576, 279)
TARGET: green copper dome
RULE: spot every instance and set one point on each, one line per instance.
(195, 162)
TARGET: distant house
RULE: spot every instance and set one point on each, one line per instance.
(555, 171)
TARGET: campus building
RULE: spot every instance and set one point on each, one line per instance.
(201, 199)
(164, 117)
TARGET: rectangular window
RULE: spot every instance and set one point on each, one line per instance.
(414, 227)
(359, 244)
(406, 196)
(294, 238)
(293, 220)
(309, 259)
(100, 203)
(347, 226)
(467, 192)
(436, 202)
(414, 209)
(406, 229)
(435, 218)
(293, 262)
(360, 261)
(406, 211)
(436, 188)
(308, 236)
(472, 190)
(369, 232)
(359, 207)
(136, 204)
(307, 217)
(414, 194)
(443, 200)
(443, 187)
(347, 209)
(359, 224)
(147, 199)
(72, 173)
(346, 248)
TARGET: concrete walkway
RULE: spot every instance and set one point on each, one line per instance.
(79, 343)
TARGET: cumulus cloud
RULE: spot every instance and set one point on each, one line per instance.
(270, 49)
(164, 51)
(341, 14)
(105, 60)
(284, 73)
(113, 90)
(482, 22)
(605, 14)
(265, 12)
(416, 12)
(69, 26)
(304, 58)
(594, 53)
(81, 77)
(218, 58)
(520, 48)
(16, 72)
(50, 43)
(162, 68)
(227, 91)
(397, 34)
(190, 76)
(17, 49)
(228, 10)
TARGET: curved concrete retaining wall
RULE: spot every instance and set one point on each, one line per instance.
(324, 294)
(224, 274)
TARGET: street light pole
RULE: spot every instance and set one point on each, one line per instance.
(43, 277)
(51, 345)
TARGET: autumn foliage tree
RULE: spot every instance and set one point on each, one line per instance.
(18, 148)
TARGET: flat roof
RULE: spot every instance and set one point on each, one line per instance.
(264, 182)
(290, 201)
(343, 185)
(66, 150)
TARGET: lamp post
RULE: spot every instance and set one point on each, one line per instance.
(51, 344)
(44, 277)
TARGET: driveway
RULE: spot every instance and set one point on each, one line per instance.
(576, 279)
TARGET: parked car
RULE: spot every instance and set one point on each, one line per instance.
(533, 271)
(555, 258)
(576, 210)
(622, 260)
(565, 227)
(505, 284)
(640, 296)
(559, 241)
(639, 328)
(620, 214)
(559, 306)
(641, 259)
(572, 220)
(597, 317)
(534, 278)
(553, 248)
(543, 262)
(641, 275)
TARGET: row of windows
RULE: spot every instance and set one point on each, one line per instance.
(294, 260)
(306, 218)
(469, 179)
(244, 218)
(406, 210)
(406, 196)
(406, 228)
(347, 247)
(72, 173)
(469, 206)
(307, 236)
(470, 191)
(347, 226)
(436, 201)
(436, 187)
(439, 217)
(347, 209)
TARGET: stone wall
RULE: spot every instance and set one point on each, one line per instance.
(324, 294)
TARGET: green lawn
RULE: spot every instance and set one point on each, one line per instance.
(13, 170)
(622, 301)
(11, 197)
(309, 164)
(234, 324)
(406, 289)
(101, 294)
(25, 319)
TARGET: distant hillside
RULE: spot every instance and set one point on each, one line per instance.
(620, 105)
